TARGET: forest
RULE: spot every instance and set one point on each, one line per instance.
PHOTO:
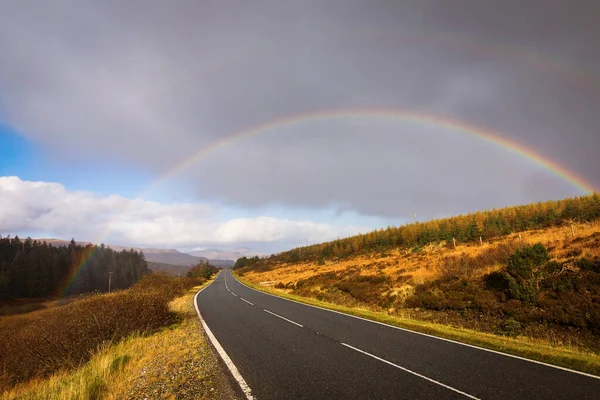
(484, 225)
(34, 269)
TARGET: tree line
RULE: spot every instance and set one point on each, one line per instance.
(245, 261)
(30, 268)
(464, 228)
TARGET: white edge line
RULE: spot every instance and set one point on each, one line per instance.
(284, 318)
(243, 299)
(410, 372)
(230, 365)
(427, 335)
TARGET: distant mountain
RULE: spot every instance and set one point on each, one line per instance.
(216, 254)
(165, 256)
(176, 270)
(173, 257)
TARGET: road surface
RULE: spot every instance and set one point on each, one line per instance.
(287, 350)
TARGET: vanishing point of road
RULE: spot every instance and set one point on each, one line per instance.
(287, 350)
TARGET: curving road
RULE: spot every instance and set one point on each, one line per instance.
(287, 350)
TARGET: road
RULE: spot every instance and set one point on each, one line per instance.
(287, 350)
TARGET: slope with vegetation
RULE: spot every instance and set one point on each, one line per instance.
(531, 271)
(143, 342)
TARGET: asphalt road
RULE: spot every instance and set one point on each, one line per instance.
(286, 350)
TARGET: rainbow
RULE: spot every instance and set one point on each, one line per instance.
(399, 115)
(396, 115)
(88, 254)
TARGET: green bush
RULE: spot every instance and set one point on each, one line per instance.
(509, 327)
(523, 290)
(202, 271)
(589, 265)
(522, 263)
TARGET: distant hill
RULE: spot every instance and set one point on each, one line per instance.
(216, 254)
(163, 256)
(173, 257)
(177, 270)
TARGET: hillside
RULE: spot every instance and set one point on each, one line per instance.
(125, 345)
(163, 256)
(175, 270)
(531, 270)
(216, 254)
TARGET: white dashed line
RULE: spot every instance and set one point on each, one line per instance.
(409, 371)
(243, 299)
(234, 294)
(284, 318)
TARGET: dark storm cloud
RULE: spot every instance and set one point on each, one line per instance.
(153, 82)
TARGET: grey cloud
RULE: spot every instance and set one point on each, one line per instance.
(396, 169)
(154, 82)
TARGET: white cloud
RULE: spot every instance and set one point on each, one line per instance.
(53, 210)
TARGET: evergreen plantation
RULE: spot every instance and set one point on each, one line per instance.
(33, 269)
(486, 225)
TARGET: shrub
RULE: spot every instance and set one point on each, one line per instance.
(202, 271)
(522, 290)
(589, 265)
(509, 327)
(523, 262)
(498, 281)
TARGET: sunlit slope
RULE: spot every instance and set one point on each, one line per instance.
(483, 271)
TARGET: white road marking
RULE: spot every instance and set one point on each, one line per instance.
(234, 294)
(284, 318)
(410, 372)
(243, 299)
(427, 335)
(230, 365)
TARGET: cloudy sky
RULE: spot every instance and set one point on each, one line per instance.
(103, 104)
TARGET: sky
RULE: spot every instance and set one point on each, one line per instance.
(269, 124)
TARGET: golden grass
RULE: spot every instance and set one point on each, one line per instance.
(176, 362)
(521, 346)
(427, 264)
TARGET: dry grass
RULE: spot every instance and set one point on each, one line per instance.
(176, 362)
(413, 267)
(43, 342)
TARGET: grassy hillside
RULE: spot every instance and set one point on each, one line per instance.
(171, 269)
(172, 363)
(541, 283)
(58, 340)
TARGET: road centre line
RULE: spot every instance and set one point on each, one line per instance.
(284, 318)
(410, 372)
(243, 299)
